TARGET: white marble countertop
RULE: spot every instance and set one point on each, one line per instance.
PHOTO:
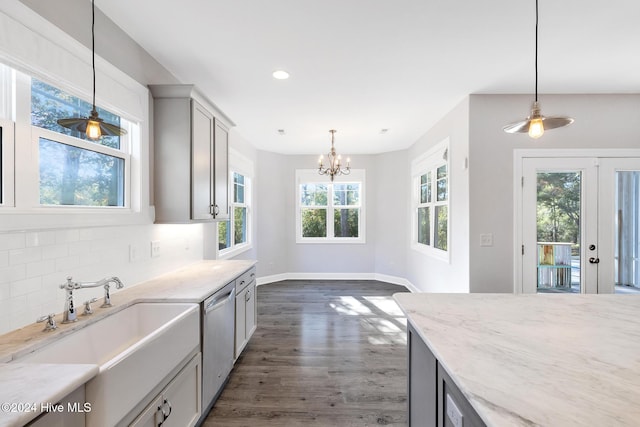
(21, 404)
(41, 383)
(537, 360)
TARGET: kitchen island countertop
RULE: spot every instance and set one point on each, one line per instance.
(537, 360)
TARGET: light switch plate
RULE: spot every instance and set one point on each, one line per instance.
(453, 413)
(486, 239)
(155, 248)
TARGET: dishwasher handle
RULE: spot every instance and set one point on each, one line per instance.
(219, 301)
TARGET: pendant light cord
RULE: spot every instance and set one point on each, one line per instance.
(93, 51)
(536, 62)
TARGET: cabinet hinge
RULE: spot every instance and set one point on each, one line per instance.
(522, 249)
(522, 181)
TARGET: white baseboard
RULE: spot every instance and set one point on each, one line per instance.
(265, 280)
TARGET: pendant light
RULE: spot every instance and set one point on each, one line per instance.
(536, 123)
(93, 125)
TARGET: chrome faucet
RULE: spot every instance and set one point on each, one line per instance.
(70, 314)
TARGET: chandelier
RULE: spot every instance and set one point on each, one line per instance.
(334, 167)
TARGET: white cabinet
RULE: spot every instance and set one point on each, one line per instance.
(246, 310)
(179, 403)
(72, 414)
(190, 151)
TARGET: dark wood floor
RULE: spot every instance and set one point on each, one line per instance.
(325, 353)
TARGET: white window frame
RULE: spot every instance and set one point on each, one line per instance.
(243, 166)
(308, 176)
(430, 162)
(50, 55)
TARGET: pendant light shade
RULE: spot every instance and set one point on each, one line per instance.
(536, 123)
(93, 126)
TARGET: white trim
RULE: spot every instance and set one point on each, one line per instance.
(265, 280)
(7, 168)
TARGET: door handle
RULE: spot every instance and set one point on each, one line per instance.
(593, 260)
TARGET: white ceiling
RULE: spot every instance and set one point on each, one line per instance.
(363, 65)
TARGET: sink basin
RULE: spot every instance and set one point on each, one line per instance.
(136, 348)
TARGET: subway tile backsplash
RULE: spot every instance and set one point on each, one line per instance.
(33, 264)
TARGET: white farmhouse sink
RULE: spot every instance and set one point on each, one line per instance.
(136, 348)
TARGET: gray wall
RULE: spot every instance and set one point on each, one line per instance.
(112, 44)
(426, 273)
(601, 121)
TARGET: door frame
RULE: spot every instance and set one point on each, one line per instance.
(518, 156)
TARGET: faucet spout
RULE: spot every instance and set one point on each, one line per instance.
(70, 314)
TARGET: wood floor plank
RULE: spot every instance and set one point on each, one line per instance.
(325, 353)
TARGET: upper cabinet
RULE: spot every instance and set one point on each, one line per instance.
(191, 154)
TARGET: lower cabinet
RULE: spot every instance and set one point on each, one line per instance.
(179, 403)
(246, 313)
(71, 416)
(434, 399)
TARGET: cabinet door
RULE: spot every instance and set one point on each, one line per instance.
(151, 416)
(241, 310)
(221, 172)
(66, 418)
(201, 162)
(422, 382)
(181, 400)
(250, 311)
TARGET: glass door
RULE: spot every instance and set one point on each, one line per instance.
(619, 204)
(559, 225)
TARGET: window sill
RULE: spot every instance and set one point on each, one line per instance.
(432, 252)
(324, 241)
(234, 251)
(13, 219)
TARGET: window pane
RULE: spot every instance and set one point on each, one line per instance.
(442, 171)
(442, 189)
(48, 104)
(314, 223)
(313, 194)
(75, 176)
(238, 188)
(224, 235)
(239, 225)
(425, 188)
(440, 234)
(424, 226)
(346, 194)
(345, 222)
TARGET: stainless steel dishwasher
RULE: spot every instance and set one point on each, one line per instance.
(218, 335)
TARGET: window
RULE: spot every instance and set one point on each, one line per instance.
(234, 233)
(234, 236)
(330, 212)
(74, 170)
(431, 202)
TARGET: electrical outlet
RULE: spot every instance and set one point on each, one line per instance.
(155, 248)
(453, 413)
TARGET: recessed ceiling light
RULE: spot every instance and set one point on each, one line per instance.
(280, 75)
(281, 132)
(383, 131)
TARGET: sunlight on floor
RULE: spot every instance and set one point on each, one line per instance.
(350, 306)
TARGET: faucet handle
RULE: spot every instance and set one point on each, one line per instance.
(51, 322)
(87, 306)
